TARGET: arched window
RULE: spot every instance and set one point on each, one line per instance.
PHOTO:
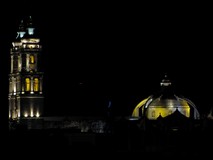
(153, 114)
(32, 59)
(27, 84)
(36, 85)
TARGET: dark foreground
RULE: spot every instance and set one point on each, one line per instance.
(152, 143)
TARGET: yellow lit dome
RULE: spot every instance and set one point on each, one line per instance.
(165, 104)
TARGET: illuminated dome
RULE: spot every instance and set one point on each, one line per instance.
(165, 104)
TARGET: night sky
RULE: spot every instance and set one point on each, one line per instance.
(93, 53)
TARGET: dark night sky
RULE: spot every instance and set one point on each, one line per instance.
(92, 53)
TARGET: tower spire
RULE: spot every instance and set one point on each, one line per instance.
(21, 30)
(30, 26)
(30, 21)
(21, 26)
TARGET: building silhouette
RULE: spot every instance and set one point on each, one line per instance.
(25, 80)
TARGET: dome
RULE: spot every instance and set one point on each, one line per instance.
(165, 104)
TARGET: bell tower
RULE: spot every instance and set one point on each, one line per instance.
(25, 80)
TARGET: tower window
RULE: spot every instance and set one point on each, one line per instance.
(153, 114)
(32, 59)
(27, 84)
(15, 64)
(36, 85)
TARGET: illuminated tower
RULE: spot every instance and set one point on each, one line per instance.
(25, 81)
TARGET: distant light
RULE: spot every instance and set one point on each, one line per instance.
(174, 129)
(25, 115)
(81, 83)
(133, 118)
(109, 104)
(31, 113)
(37, 114)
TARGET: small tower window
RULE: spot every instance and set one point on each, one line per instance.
(32, 59)
(27, 84)
(153, 114)
(36, 85)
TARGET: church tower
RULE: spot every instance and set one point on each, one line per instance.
(25, 81)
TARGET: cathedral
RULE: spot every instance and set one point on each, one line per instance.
(25, 80)
(157, 125)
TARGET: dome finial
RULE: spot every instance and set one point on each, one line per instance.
(165, 81)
